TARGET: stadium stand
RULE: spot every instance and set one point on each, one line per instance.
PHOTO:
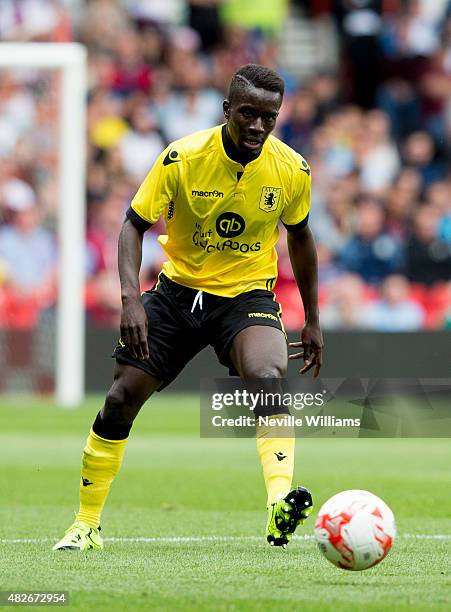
(375, 126)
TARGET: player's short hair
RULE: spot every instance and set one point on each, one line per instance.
(254, 75)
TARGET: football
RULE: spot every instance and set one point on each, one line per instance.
(355, 530)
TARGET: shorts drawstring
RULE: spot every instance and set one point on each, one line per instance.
(197, 300)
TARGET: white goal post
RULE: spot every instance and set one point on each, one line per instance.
(70, 59)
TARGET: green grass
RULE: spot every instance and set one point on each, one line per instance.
(175, 484)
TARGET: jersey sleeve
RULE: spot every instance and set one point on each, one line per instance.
(298, 207)
(159, 187)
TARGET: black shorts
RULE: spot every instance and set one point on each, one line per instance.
(183, 321)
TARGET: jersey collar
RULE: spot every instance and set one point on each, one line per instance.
(235, 165)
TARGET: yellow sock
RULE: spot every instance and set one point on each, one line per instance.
(277, 459)
(101, 462)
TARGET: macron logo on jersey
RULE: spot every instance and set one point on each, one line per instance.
(207, 194)
(262, 315)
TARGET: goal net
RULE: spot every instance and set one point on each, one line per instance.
(42, 218)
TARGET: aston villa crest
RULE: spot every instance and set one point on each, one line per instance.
(269, 199)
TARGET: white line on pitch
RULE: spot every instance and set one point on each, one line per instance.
(213, 538)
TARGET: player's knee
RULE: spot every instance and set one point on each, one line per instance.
(120, 404)
(266, 371)
(115, 420)
(270, 388)
(114, 404)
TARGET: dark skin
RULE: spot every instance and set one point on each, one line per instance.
(251, 117)
(257, 351)
(133, 318)
(304, 262)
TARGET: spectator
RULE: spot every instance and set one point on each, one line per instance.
(399, 99)
(106, 123)
(428, 258)
(196, 107)
(333, 226)
(17, 112)
(327, 268)
(102, 236)
(371, 253)
(360, 24)
(419, 152)
(439, 196)
(27, 250)
(204, 18)
(379, 159)
(326, 90)
(335, 142)
(103, 24)
(395, 310)
(28, 20)
(131, 73)
(162, 12)
(141, 145)
(298, 130)
(402, 199)
(415, 32)
(345, 308)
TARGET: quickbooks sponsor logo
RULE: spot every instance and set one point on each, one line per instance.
(224, 245)
(207, 194)
(230, 225)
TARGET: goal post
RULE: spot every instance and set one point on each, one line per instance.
(70, 59)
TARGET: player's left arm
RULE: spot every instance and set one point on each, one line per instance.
(304, 261)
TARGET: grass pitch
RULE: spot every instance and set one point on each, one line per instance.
(185, 519)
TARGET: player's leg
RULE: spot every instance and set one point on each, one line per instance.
(105, 446)
(172, 341)
(104, 451)
(259, 353)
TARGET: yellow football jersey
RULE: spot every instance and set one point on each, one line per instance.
(222, 218)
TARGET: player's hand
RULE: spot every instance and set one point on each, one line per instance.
(134, 329)
(312, 345)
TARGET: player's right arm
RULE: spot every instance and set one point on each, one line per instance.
(133, 316)
(157, 190)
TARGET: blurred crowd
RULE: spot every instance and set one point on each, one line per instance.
(376, 131)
